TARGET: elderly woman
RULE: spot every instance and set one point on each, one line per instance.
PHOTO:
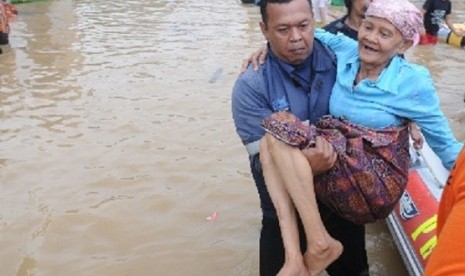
(375, 88)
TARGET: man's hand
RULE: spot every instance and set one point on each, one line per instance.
(257, 58)
(322, 157)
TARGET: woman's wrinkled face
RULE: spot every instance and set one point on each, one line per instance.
(378, 41)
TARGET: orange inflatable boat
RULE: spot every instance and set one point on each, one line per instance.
(413, 221)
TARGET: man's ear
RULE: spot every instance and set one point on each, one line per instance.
(406, 44)
(264, 29)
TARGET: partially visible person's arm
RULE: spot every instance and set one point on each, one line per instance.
(448, 255)
(449, 24)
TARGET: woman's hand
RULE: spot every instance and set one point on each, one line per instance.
(321, 157)
(257, 58)
(415, 133)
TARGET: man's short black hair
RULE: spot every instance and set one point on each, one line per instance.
(264, 4)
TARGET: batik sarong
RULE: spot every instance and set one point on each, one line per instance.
(371, 170)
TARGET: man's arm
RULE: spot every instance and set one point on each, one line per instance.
(250, 105)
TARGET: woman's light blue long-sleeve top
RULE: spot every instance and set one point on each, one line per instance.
(402, 91)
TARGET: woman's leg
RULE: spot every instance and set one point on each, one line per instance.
(296, 179)
(294, 263)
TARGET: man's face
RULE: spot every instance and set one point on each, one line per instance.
(289, 30)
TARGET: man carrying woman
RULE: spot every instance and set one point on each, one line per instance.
(299, 73)
(373, 78)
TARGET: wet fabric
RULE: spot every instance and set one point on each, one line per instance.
(371, 170)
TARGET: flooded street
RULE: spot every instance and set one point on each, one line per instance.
(117, 142)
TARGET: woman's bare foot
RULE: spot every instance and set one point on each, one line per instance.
(317, 258)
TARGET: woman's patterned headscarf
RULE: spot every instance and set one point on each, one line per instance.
(402, 14)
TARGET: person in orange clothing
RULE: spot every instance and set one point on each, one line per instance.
(7, 13)
(448, 255)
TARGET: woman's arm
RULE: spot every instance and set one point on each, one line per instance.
(340, 44)
(256, 58)
(425, 110)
